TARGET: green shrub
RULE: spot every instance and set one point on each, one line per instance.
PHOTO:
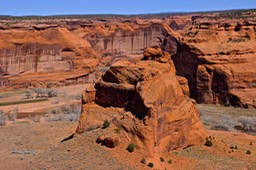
(117, 131)
(106, 124)
(169, 161)
(161, 159)
(130, 147)
(143, 160)
(248, 152)
(208, 143)
(150, 164)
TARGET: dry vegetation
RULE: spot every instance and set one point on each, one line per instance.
(28, 143)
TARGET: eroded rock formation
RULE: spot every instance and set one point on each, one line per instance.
(219, 62)
(146, 100)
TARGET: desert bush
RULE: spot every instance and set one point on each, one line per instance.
(247, 124)
(3, 118)
(169, 161)
(130, 147)
(52, 93)
(12, 114)
(117, 131)
(12, 117)
(45, 92)
(150, 164)
(161, 159)
(208, 143)
(106, 124)
(143, 160)
(37, 118)
(248, 152)
(55, 101)
(66, 113)
(28, 95)
(233, 147)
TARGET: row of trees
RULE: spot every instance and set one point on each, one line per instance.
(40, 93)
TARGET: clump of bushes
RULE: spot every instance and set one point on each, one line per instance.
(233, 147)
(161, 159)
(130, 147)
(150, 164)
(106, 124)
(246, 124)
(66, 113)
(169, 161)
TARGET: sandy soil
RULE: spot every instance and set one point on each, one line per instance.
(38, 146)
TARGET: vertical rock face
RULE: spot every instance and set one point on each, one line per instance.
(219, 62)
(34, 58)
(123, 41)
(164, 117)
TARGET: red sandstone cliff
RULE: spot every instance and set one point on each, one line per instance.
(219, 62)
(145, 100)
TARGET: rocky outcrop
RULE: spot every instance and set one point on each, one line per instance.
(154, 111)
(218, 61)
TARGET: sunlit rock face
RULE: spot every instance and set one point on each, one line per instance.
(158, 114)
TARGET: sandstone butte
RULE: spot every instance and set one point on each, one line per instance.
(145, 100)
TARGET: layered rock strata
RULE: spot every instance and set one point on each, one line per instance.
(147, 101)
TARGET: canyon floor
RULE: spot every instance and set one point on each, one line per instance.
(30, 144)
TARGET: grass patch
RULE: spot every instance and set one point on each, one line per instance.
(11, 93)
(23, 102)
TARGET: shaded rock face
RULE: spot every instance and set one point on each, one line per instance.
(35, 58)
(159, 116)
(219, 62)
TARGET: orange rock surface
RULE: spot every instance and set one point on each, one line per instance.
(218, 59)
(146, 100)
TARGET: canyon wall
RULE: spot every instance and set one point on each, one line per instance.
(216, 56)
(219, 62)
